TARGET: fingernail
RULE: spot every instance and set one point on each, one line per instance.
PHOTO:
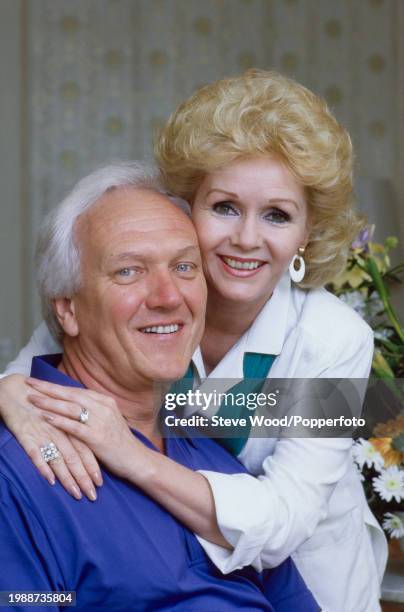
(92, 495)
(48, 417)
(98, 479)
(76, 492)
(51, 480)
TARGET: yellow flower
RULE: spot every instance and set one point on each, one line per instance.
(353, 278)
(390, 441)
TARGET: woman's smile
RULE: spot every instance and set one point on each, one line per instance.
(240, 266)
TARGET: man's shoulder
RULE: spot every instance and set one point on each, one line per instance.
(5, 437)
(17, 469)
(211, 454)
(10, 449)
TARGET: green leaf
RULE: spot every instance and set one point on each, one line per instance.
(391, 346)
(373, 270)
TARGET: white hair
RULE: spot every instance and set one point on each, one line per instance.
(57, 254)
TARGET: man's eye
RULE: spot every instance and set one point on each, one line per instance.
(277, 216)
(225, 209)
(184, 267)
(125, 272)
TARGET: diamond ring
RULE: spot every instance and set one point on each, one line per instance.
(49, 452)
(84, 414)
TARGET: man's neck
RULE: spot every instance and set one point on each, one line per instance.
(139, 407)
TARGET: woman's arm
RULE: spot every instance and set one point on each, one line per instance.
(263, 519)
(40, 343)
(184, 493)
(282, 507)
(76, 469)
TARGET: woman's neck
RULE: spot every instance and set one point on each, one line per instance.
(226, 322)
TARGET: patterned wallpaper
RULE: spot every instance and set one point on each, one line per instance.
(104, 74)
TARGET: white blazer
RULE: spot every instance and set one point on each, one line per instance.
(307, 500)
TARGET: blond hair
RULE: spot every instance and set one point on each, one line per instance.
(265, 113)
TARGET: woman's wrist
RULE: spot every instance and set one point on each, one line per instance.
(139, 463)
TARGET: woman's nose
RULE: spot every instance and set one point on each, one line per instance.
(247, 235)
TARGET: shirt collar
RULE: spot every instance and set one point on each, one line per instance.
(267, 334)
(197, 361)
(44, 367)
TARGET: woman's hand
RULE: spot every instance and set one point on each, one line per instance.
(76, 467)
(184, 493)
(106, 431)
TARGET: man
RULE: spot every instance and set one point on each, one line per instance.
(122, 287)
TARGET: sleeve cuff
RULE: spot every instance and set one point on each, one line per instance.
(244, 525)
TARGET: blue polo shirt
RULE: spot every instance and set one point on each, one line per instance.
(123, 552)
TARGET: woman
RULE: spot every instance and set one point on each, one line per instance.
(267, 170)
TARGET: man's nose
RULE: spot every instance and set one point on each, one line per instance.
(247, 234)
(163, 292)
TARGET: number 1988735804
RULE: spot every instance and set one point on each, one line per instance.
(32, 598)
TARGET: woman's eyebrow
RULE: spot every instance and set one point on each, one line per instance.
(274, 200)
(229, 193)
(278, 200)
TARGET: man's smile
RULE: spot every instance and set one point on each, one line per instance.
(170, 328)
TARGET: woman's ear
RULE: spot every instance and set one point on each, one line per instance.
(65, 313)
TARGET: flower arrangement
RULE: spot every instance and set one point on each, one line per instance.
(364, 285)
(380, 461)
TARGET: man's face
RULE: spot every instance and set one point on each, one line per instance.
(141, 306)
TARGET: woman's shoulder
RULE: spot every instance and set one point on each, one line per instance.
(327, 319)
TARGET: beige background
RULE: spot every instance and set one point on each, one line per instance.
(87, 81)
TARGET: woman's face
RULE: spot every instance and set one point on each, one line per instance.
(251, 217)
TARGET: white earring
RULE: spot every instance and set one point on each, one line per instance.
(297, 275)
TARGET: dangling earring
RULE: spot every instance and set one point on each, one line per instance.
(297, 275)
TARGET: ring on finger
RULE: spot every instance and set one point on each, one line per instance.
(49, 452)
(84, 415)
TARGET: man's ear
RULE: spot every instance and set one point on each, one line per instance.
(65, 313)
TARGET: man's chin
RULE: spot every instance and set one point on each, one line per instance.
(171, 372)
(171, 376)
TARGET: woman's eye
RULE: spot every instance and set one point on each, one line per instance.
(277, 216)
(125, 272)
(224, 208)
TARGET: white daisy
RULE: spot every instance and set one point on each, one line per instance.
(364, 453)
(393, 524)
(390, 484)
